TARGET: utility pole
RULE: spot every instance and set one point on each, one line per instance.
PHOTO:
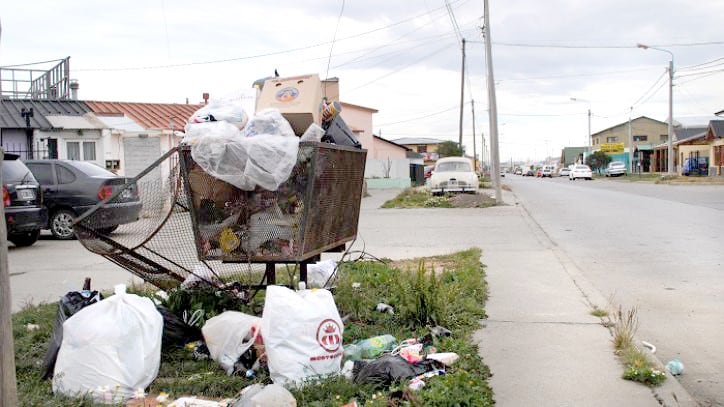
(492, 106)
(8, 383)
(462, 99)
(631, 144)
(475, 153)
(670, 141)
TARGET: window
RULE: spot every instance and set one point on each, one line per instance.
(421, 149)
(664, 138)
(65, 176)
(81, 150)
(611, 139)
(43, 173)
(640, 138)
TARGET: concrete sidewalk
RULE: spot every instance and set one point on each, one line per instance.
(540, 341)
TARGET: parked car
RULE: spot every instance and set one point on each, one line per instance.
(453, 174)
(580, 171)
(564, 171)
(22, 200)
(502, 173)
(547, 171)
(529, 173)
(539, 172)
(695, 166)
(518, 171)
(615, 169)
(73, 187)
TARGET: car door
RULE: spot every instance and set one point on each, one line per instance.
(45, 175)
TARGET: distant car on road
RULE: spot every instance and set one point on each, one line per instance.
(547, 171)
(564, 171)
(453, 174)
(615, 169)
(580, 171)
(24, 212)
(529, 173)
(518, 171)
(73, 187)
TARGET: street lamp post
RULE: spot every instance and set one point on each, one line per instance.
(588, 140)
(670, 141)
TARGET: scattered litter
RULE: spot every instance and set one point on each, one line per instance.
(356, 286)
(302, 334)
(382, 307)
(416, 384)
(69, 304)
(32, 327)
(176, 332)
(228, 336)
(313, 133)
(370, 348)
(197, 402)
(347, 370)
(446, 358)
(412, 353)
(226, 110)
(651, 346)
(272, 395)
(110, 349)
(675, 367)
(439, 331)
(319, 273)
(388, 369)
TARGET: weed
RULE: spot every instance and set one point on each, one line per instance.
(599, 312)
(625, 325)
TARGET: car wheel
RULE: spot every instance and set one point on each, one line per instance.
(61, 224)
(24, 239)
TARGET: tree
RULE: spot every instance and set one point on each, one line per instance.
(450, 149)
(598, 160)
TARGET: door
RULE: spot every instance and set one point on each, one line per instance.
(44, 173)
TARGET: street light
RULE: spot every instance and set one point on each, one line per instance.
(670, 141)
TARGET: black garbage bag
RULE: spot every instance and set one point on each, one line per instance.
(69, 305)
(388, 369)
(176, 332)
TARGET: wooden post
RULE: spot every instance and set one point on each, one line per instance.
(8, 386)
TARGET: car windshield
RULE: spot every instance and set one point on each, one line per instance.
(91, 169)
(16, 171)
(616, 164)
(453, 166)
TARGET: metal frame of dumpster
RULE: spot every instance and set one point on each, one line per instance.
(185, 212)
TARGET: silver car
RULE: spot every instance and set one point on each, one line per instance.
(615, 169)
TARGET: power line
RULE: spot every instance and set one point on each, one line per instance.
(576, 75)
(683, 68)
(334, 39)
(648, 90)
(290, 50)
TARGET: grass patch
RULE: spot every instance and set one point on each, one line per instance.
(638, 366)
(445, 290)
(421, 197)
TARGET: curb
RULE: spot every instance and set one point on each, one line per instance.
(671, 393)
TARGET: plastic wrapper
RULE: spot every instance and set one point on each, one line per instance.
(222, 151)
(266, 122)
(229, 335)
(387, 369)
(230, 111)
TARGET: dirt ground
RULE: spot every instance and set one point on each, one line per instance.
(480, 200)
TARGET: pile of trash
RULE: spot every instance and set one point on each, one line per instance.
(248, 175)
(110, 348)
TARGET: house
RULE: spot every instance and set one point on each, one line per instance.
(423, 145)
(645, 134)
(50, 129)
(715, 137)
(572, 155)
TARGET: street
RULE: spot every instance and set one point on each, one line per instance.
(657, 247)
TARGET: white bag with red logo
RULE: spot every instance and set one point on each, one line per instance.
(302, 334)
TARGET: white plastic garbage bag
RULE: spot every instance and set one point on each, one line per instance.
(266, 122)
(265, 160)
(302, 335)
(230, 111)
(110, 349)
(319, 273)
(228, 335)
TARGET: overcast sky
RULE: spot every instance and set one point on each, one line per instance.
(400, 57)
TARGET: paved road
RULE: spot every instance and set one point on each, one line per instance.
(658, 247)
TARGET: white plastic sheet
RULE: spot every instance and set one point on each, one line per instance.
(228, 335)
(302, 335)
(231, 155)
(227, 110)
(319, 273)
(110, 349)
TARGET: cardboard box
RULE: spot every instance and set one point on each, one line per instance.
(298, 99)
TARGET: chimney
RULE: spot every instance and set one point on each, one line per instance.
(206, 98)
(74, 89)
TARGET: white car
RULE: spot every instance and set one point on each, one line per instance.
(615, 169)
(453, 174)
(564, 171)
(580, 171)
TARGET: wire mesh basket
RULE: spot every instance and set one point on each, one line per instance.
(193, 224)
